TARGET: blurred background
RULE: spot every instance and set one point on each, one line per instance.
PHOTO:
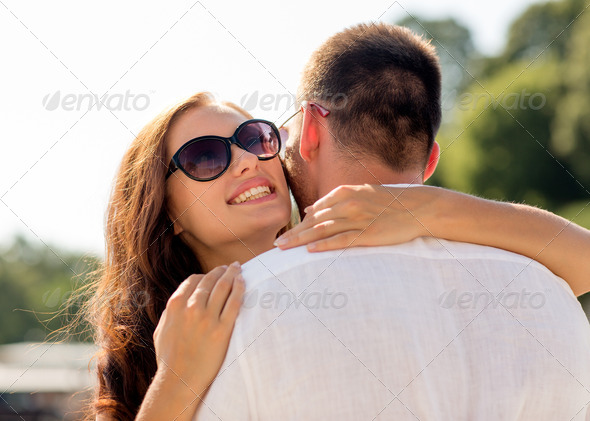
(516, 127)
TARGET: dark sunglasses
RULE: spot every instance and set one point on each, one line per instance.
(207, 157)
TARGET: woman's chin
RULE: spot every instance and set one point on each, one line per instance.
(263, 229)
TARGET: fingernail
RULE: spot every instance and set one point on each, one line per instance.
(281, 242)
(307, 209)
(240, 278)
(312, 246)
(235, 264)
(224, 267)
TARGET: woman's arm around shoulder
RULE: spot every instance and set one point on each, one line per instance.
(371, 215)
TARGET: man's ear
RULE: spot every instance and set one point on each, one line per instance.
(432, 161)
(309, 142)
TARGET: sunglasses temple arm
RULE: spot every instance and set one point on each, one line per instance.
(289, 119)
(171, 168)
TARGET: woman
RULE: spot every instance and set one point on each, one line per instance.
(182, 207)
(162, 228)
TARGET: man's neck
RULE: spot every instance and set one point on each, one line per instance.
(367, 175)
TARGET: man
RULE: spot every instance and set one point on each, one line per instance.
(401, 332)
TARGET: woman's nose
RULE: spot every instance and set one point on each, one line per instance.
(242, 160)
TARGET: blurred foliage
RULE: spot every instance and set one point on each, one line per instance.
(571, 126)
(518, 128)
(455, 48)
(542, 27)
(500, 146)
(37, 283)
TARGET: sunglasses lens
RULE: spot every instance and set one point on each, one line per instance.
(205, 158)
(260, 139)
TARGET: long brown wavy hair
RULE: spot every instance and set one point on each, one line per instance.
(144, 264)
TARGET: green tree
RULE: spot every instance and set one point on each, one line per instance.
(502, 139)
(36, 283)
(542, 27)
(571, 125)
(454, 46)
(520, 131)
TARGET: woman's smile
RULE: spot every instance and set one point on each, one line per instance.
(253, 191)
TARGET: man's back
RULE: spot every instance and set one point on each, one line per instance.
(404, 332)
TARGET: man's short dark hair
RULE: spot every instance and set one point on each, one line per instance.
(382, 84)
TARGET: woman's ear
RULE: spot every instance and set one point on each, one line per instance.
(177, 228)
(432, 161)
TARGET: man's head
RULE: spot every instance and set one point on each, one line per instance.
(382, 86)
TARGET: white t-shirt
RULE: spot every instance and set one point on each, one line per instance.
(404, 332)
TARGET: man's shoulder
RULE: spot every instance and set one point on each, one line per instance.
(276, 261)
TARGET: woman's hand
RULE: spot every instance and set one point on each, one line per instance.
(191, 341)
(366, 215)
(193, 334)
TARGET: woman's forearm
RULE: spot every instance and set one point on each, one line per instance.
(560, 245)
(373, 215)
(169, 398)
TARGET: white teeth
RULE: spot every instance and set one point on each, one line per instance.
(252, 194)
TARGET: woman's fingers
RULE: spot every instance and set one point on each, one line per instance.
(356, 213)
(234, 301)
(222, 289)
(375, 211)
(335, 196)
(201, 293)
(334, 213)
(319, 231)
(337, 242)
(186, 288)
(308, 222)
(322, 210)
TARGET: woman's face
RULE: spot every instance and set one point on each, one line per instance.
(207, 214)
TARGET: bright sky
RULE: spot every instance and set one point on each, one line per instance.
(59, 158)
